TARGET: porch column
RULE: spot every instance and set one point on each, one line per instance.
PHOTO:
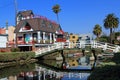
(43, 37)
(50, 37)
(54, 38)
(38, 35)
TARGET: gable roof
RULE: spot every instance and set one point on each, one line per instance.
(25, 13)
(36, 25)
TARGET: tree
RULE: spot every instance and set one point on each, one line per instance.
(97, 30)
(110, 22)
(56, 9)
(104, 38)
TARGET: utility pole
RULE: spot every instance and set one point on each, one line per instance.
(16, 10)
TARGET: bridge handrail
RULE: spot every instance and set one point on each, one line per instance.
(93, 44)
(49, 48)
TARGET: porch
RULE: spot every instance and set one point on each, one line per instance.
(35, 38)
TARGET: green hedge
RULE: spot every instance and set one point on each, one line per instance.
(110, 70)
(16, 56)
(116, 58)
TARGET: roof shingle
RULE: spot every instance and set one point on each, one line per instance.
(36, 25)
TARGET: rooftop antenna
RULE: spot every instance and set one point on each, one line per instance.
(16, 10)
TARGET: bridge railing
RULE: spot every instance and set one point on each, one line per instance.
(96, 44)
(82, 44)
(42, 50)
(108, 46)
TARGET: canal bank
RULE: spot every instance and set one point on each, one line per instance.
(53, 66)
(16, 58)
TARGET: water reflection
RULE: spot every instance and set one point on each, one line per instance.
(80, 63)
(42, 73)
(73, 68)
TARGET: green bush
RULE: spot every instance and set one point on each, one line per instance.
(16, 56)
(15, 49)
(116, 58)
(108, 71)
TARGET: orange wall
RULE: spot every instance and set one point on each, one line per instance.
(2, 31)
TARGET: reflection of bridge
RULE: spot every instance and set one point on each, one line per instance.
(82, 44)
(43, 72)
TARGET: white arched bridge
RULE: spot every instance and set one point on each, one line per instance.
(93, 44)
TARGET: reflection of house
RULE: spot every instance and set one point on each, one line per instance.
(73, 62)
(35, 30)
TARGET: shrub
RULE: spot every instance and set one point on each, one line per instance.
(15, 49)
(16, 56)
(116, 58)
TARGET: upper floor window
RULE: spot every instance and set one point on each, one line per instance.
(43, 23)
(50, 25)
(19, 38)
(28, 17)
(73, 36)
(19, 17)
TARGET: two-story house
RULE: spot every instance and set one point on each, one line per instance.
(35, 31)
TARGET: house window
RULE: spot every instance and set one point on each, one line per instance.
(50, 25)
(43, 23)
(19, 38)
(73, 36)
(28, 17)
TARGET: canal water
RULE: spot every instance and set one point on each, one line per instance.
(76, 68)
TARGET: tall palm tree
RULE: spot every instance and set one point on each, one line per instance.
(97, 30)
(56, 9)
(110, 22)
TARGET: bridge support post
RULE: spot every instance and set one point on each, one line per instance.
(105, 46)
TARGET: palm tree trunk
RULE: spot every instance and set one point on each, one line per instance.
(58, 18)
(110, 35)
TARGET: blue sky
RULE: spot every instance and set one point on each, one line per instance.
(76, 16)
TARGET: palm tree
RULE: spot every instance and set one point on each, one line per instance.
(56, 9)
(110, 22)
(97, 30)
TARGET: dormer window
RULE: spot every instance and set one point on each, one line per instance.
(28, 17)
(19, 17)
(50, 25)
(22, 18)
(27, 27)
(43, 23)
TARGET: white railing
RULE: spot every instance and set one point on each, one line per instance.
(108, 46)
(93, 44)
(42, 50)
